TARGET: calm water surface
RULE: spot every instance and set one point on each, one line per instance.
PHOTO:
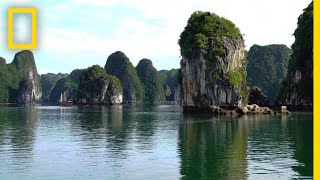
(151, 142)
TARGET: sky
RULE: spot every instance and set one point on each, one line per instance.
(75, 34)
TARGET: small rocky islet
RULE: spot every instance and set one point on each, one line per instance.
(216, 75)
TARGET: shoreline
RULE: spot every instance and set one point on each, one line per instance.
(186, 109)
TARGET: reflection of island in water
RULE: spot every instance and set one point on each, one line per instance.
(153, 139)
(212, 148)
(251, 146)
(17, 128)
(17, 137)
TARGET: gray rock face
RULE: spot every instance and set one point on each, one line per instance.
(98, 87)
(29, 86)
(293, 97)
(107, 94)
(208, 81)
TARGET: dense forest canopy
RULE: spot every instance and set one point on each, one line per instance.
(12, 74)
(203, 30)
(267, 68)
(151, 80)
(119, 65)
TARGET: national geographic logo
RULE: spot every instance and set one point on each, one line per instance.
(33, 43)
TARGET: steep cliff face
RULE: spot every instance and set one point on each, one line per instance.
(29, 87)
(119, 65)
(97, 87)
(213, 63)
(267, 67)
(297, 89)
(20, 82)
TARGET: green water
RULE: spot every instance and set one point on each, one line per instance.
(151, 142)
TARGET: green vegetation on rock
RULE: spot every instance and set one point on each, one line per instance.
(22, 68)
(151, 80)
(94, 85)
(203, 30)
(48, 81)
(119, 65)
(267, 68)
(213, 65)
(68, 85)
(256, 96)
(236, 77)
(170, 83)
(9, 82)
(299, 77)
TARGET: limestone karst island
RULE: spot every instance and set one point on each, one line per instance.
(228, 112)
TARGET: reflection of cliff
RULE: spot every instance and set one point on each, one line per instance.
(213, 148)
(17, 129)
(280, 144)
(102, 122)
(144, 126)
(301, 133)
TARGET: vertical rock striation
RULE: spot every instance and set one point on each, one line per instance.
(29, 90)
(213, 65)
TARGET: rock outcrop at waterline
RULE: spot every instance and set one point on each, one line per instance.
(97, 87)
(213, 65)
(244, 110)
(88, 86)
(19, 80)
(119, 65)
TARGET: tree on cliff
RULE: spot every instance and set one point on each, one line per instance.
(119, 65)
(267, 68)
(151, 80)
(205, 31)
(297, 88)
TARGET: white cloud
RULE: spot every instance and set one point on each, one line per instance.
(99, 3)
(90, 26)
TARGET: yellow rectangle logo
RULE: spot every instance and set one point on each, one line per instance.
(33, 12)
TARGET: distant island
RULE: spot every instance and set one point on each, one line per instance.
(216, 73)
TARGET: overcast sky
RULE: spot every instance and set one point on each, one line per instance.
(80, 33)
